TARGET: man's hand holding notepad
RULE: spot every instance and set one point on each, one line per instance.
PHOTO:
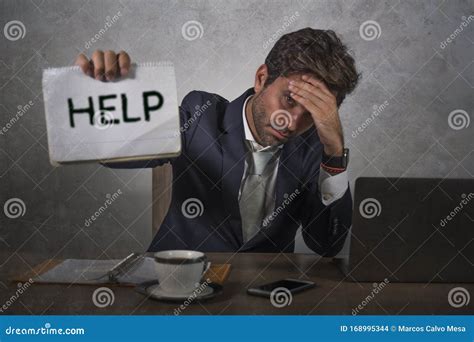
(109, 117)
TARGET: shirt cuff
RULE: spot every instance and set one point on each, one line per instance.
(332, 187)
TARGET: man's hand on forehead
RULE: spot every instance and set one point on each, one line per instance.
(318, 100)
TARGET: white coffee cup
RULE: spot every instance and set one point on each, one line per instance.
(180, 271)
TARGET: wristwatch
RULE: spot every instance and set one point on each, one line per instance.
(336, 162)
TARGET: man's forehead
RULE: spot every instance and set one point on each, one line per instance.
(293, 77)
(284, 80)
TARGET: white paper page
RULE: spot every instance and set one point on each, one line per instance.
(140, 111)
(86, 271)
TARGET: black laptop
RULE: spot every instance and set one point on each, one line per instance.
(412, 230)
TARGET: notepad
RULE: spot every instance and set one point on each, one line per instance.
(86, 271)
(132, 118)
(93, 272)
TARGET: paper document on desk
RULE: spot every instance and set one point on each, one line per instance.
(84, 271)
(132, 118)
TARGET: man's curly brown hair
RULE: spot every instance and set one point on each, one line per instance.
(317, 52)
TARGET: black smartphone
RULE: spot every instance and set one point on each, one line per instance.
(292, 285)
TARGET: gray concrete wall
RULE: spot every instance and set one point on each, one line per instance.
(408, 68)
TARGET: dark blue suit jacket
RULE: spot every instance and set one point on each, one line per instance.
(210, 169)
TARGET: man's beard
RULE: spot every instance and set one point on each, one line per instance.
(260, 122)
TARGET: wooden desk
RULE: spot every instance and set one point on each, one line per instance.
(333, 295)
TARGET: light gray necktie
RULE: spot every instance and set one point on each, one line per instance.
(252, 197)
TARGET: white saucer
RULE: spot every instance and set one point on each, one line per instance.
(157, 291)
(152, 290)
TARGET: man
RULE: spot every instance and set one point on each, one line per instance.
(255, 169)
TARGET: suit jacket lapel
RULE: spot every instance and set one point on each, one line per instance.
(288, 177)
(233, 160)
